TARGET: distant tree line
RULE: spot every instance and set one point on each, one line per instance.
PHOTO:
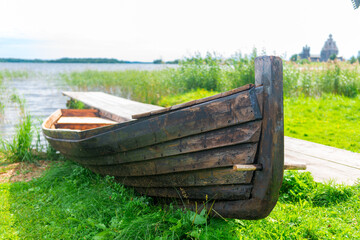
(81, 60)
(160, 61)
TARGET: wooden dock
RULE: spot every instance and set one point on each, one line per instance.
(324, 162)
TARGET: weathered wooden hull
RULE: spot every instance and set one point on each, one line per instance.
(189, 152)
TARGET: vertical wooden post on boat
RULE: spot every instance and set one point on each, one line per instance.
(267, 182)
(269, 73)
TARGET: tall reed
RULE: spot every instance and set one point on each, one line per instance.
(20, 148)
(215, 73)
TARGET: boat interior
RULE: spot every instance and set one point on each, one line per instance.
(77, 119)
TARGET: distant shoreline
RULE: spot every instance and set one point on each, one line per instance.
(81, 60)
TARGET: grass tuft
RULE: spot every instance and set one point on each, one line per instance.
(20, 148)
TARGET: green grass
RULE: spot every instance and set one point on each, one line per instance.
(74, 104)
(69, 202)
(331, 120)
(186, 97)
(25, 145)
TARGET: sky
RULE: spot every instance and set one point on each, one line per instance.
(145, 30)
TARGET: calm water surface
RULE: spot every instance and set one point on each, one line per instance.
(42, 90)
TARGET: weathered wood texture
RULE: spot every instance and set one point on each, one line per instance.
(244, 133)
(219, 113)
(214, 158)
(267, 182)
(112, 105)
(206, 177)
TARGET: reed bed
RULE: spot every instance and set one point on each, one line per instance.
(214, 73)
(10, 74)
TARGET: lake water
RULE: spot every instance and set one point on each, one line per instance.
(42, 90)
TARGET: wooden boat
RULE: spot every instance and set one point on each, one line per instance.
(227, 149)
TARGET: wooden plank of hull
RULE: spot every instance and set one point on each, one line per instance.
(225, 192)
(214, 158)
(244, 133)
(234, 109)
(207, 177)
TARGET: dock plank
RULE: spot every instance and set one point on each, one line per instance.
(124, 108)
(324, 162)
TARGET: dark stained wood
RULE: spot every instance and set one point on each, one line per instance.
(267, 182)
(207, 177)
(227, 111)
(191, 103)
(223, 192)
(214, 158)
(260, 97)
(243, 133)
(200, 118)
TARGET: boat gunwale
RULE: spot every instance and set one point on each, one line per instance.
(82, 135)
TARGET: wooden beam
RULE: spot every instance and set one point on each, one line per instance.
(294, 166)
(247, 167)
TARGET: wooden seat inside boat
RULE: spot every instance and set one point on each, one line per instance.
(80, 119)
